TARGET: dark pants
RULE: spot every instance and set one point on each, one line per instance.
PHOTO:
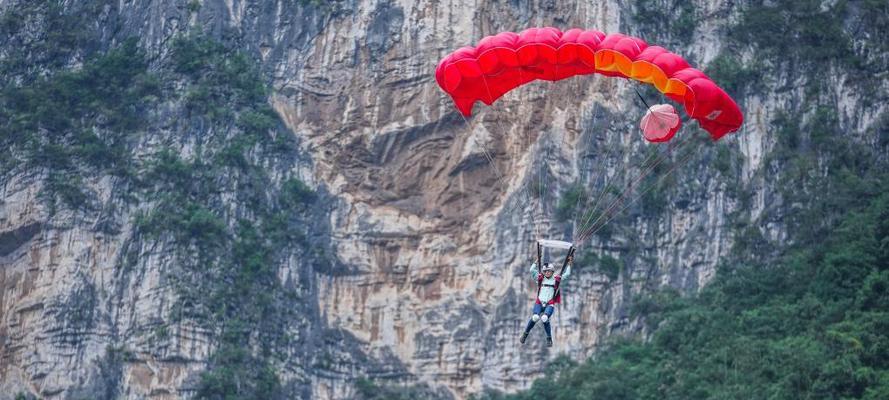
(538, 309)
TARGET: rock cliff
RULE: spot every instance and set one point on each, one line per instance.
(347, 223)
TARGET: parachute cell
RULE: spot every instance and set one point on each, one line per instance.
(507, 60)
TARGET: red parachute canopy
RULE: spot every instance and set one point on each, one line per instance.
(507, 60)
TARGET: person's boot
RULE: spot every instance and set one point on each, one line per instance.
(524, 336)
(549, 341)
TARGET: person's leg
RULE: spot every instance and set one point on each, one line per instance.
(547, 314)
(531, 322)
(535, 315)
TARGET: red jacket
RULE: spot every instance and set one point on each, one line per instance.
(557, 299)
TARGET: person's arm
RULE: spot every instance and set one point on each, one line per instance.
(567, 272)
(534, 270)
(568, 268)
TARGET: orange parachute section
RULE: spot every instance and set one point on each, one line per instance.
(508, 60)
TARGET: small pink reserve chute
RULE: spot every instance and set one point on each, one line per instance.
(660, 123)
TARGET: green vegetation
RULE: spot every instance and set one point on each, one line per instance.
(220, 194)
(610, 266)
(732, 74)
(74, 123)
(222, 82)
(806, 316)
(808, 29)
(605, 264)
(673, 21)
(812, 324)
(787, 39)
(652, 191)
(807, 319)
(567, 208)
(238, 374)
(881, 130)
(368, 390)
(194, 6)
(232, 257)
(28, 54)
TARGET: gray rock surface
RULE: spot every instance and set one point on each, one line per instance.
(431, 241)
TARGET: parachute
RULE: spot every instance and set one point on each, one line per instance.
(500, 63)
(507, 60)
(660, 123)
(555, 244)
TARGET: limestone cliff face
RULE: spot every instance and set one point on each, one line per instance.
(429, 218)
(440, 244)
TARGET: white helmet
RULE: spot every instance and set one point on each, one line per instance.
(548, 267)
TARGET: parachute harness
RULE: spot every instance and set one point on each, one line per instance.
(546, 243)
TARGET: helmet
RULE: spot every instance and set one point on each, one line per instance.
(548, 267)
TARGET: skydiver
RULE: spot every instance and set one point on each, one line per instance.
(548, 293)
